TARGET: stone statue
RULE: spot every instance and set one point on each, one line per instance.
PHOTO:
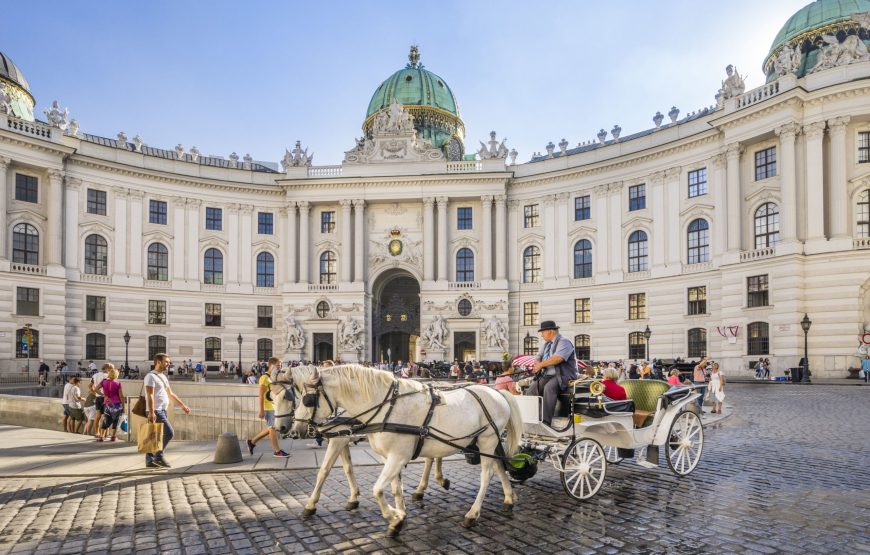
(495, 149)
(295, 334)
(435, 334)
(57, 117)
(297, 157)
(787, 61)
(179, 151)
(350, 334)
(73, 127)
(495, 334)
(138, 143)
(834, 53)
(194, 154)
(732, 86)
(234, 160)
(5, 100)
(393, 139)
(122, 140)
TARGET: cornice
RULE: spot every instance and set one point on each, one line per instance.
(9, 137)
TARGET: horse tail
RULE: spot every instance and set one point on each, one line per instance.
(515, 425)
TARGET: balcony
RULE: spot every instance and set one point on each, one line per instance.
(213, 287)
(757, 254)
(861, 243)
(759, 94)
(32, 269)
(637, 276)
(581, 282)
(322, 287)
(464, 166)
(28, 127)
(324, 171)
(457, 285)
(697, 268)
(158, 283)
(95, 278)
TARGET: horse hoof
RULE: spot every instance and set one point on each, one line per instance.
(417, 497)
(507, 508)
(468, 522)
(309, 512)
(393, 531)
(445, 484)
(351, 505)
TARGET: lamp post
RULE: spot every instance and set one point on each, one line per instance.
(646, 335)
(127, 350)
(805, 324)
(239, 339)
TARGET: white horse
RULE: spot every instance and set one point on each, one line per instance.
(463, 416)
(284, 398)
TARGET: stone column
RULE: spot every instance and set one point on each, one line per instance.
(194, 259)
(815, 209)
(512, 246)
(788, 182)
(442, 238)
(345, 264)
(549, 250)
(601, 252)
(246, 256)
(134, 243)
(304, 228)
(658, 194)
(428, 239)
(563, 254)
(486, 230)
(71, 223)
(290, 244)
(716, 185)
(4, 222)
(231, 266)
(55, 218)
(735, 204)
(122, 220)
(674, 238)
(359, 247)
(839, 189)
(618, 262)
(501, 245)
(179, 213)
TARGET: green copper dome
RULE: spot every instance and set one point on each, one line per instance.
(820, 13)
(16, 88)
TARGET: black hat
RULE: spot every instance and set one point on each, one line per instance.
(548, 325)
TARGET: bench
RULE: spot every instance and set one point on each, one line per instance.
(645, 394)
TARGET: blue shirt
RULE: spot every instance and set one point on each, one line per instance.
(865, 365)
(565, 370)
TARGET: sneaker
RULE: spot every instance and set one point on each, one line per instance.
(251, 446)
(313, 445)
(152, 464)
(162, 463)
(113, 439)
(99, 440)
(281, 454)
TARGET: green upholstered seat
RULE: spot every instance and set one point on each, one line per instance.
(645, 394)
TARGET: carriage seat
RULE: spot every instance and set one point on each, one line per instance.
(586, 404)
(645, 394)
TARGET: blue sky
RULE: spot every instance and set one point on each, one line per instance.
(254, 77)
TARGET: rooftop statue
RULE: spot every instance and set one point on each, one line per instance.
(833, 53)
(787, 61)
(297, 157)
(732, 86)
(393, 138)
(495, 150)
(57, 117)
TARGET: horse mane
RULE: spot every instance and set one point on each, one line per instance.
(361, 381)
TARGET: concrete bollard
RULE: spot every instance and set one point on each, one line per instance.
(228, 450)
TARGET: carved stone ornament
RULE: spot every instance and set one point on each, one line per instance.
(393, 140)
(862, 19)
(57, 117)
(495, 150)
(296, 157)
(5, 100)
(122, 140)
(657, 119)
(435, 334)
(73, 129)
(194, 154)
(395, 249)
(350, 334)
(787, 61)
(732, 86)
(234, 160)
(179, 151)
(495, 334)
(295, 334)
(833, 53)
(138, 143)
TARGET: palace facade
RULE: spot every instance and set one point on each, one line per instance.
(716, 230)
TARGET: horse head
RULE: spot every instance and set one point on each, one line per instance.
(284, 394)
(315, 407)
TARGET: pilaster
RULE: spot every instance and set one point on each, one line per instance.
(345, 263)
(428, 239)
(304, 246)
(4, 195)
(486, 229)
(838, 187)
(442, 238)
(815, 197)
(55, 218)
(500, 237)
(788, 182)
(732, 175)
(359, 237)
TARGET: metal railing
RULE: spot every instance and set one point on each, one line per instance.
(210, 416)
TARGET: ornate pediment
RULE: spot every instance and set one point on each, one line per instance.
(266, 244)
(637, 221)
(766, 192)
(582, 230)
(156, 235)
(698, 210)
(395, 248)
(95, 227)
(393, 139)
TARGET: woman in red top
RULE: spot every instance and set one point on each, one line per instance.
(613, 390)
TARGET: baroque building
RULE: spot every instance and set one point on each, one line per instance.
(717, 230)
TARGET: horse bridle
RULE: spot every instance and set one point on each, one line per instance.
(312, 401)
(288, 389)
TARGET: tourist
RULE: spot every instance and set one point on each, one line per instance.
(645, 372)
(76, 413)
(90, 419)
(766, 375)
(267, 411)
(865, 367)
(633, 374)
(699, 378)
(717, 388)
(506, 382)
(250, 379)
(65, 400)
(113, 407)
(674, 378)
(613, 390)
(96, 379)
(555, 367)
(455, 372)
(198, 372)
(157, 396)
(43, 373)
(92, 367)
(759, 369)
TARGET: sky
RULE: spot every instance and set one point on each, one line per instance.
(255, 77)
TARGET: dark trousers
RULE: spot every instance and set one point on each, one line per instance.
(548, 388)
(168, 434)
(702, 391)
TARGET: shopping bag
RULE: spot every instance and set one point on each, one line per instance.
(123, 423)
(150, 437)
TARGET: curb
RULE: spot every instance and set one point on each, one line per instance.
(768, 382)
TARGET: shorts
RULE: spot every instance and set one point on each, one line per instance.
(90, 413)
(269, 417)
(76, 414)
(65, 409)
(100, 403)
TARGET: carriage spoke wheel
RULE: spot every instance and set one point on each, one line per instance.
(584, 466)
(612, 454)
(685, 443)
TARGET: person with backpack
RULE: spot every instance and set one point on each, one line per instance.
(267, 411)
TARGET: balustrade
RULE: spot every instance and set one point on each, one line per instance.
(757, 254)
(32, 269)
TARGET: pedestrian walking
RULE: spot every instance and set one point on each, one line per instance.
(865, 368)
(157, 397)
(699, 378)
(113, 407)
(267, 411)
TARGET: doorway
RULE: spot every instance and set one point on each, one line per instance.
(323, 347)
(464, 345)
(395, 316)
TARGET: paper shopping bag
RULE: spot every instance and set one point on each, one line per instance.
(150, 437)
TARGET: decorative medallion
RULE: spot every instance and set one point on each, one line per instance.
(395, 244)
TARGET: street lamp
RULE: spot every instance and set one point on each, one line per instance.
(127, 350)
(239, 339)
(805, 324)
(646, 335)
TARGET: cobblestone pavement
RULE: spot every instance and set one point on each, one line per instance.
(783, 475)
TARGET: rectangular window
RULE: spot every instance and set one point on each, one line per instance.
(265, 224)
(698, 182)
(765, 163)
(637, 197)
(157, 312)
(756, 289)
(28, 301)
(581, 311)
(697, 300)
(582, 208)
(212, 314)
(327, 222)
(530, 314)
(530, 215)
(864, 147)
(157, 212)
(637, 306)
(26, 188)
(264, 316)
(95, 308)
(96, 202)
(464, 218)
(214, 219)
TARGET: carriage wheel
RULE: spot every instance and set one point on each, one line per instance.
(612, 454)
(685, 443)
(584, 466)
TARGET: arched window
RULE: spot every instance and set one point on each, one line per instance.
(19, 345)
(213, 348)
(96, 255)
(328, 265)
(95, 346)
(766, 225)
(265, 270)
(530, 345)
(158, 264)
(25, 244)
(156, 345)
(532, 265)
(264, 349)
(636, 345)
(322, 309)
(757, 339)
(863, 214)
(638, 251)
(583, 347)
(213, 269)
(464, 265)
(699, 241)
(583, 259)
(697, 343)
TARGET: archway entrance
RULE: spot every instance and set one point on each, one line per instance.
(395, 316)
(323, 347)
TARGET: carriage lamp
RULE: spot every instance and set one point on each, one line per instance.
(239, 339)
(805, 324)
(127, 350)
(646, 335)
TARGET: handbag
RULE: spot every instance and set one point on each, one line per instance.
(139, 408)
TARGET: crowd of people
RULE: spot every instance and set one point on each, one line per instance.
(99, 411)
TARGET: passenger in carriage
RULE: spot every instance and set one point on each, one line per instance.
(613, 390)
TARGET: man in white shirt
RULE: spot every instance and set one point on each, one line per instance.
(157, 396)
(96, 379)
(92, 367)
(65, 397)
(74, 400)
